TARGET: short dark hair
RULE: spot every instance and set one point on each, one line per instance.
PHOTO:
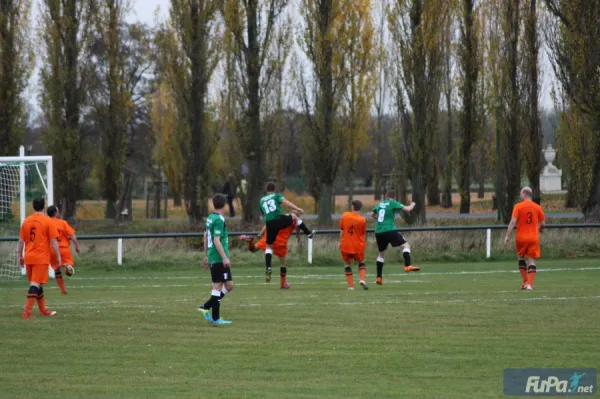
(52, 211)
(356, 205)
(270, 187)
(39, 204)
(390, 194)
(219, 201)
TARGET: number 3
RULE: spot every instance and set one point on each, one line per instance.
(529, 217)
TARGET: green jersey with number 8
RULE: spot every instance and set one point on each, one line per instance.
(270, 206)
(385, 213)
(216, 227)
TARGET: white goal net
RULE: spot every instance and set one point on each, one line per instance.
(22, 179)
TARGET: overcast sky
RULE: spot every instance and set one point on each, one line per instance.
(145, 11)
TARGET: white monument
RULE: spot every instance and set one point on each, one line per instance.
(550, 179)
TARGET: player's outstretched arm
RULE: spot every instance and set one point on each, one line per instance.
(511, 227)
(20, 249)
(373, 215)
(73, 238)
(262, 232)
(292, 206)
(409, 208)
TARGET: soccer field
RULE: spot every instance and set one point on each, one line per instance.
(446, 332)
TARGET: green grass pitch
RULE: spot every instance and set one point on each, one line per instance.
(446, 332)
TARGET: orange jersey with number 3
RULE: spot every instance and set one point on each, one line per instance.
(528, 215)
(37, 231)
(354, 229)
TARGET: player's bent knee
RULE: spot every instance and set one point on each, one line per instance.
(229, 286)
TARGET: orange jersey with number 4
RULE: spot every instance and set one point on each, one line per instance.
(64, 232)
(528, 215)
(37, 231)
(354, 229)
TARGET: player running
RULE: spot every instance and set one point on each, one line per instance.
(38, 237)
(280, 248)
(353, 243)
(386, 234)
(66, 234)
(276, 220)
(216, 244)
(529, 219)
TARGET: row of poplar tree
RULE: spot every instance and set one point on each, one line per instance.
(215, 79)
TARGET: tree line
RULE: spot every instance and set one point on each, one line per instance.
(326, 87)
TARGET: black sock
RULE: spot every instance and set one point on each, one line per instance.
(216, 307)
(379, 268)
(304, 229)
(214, 298)
(406, 255)
(268, 258)
(282, 271)
(33, 292)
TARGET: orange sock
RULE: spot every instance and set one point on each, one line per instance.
(349, 277)
(61, 282)
(531, 275)
(523, 270)
(41, 301)
(362, 270)
(31, 298)
(282, 276)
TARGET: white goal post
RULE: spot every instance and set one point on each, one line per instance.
(14, 175)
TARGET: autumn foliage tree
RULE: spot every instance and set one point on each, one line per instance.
(573, 39)
(253, 28)
(16, 65)
(190, 44)
(66, 36)
(355, 110)
(416, 27)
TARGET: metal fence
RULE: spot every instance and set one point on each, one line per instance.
(488, 229)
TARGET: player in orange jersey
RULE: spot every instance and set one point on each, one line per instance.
(38, 238)
(66, 235)
(528, 217)
(280, 248)
(353, 243)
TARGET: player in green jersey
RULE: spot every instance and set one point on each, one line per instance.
(386, 232)
(276, 220)
(216, 245)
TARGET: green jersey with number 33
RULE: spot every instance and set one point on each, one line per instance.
(270, 206)
(386, 213)
(216, 227)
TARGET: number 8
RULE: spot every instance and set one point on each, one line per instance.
(381, 215)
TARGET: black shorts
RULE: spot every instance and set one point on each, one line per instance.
(274, 226)
(387, 238)
(220, 273)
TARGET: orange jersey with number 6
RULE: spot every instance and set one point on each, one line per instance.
(37, 231)
(354, 229)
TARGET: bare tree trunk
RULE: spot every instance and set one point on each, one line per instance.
(124, 207)
(533, 160)
(325, 205)
(377, 163)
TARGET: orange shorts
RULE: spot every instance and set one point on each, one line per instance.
(348, 258)
(528, 249)
(279, 251)
(37, 273)
(65, 256)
